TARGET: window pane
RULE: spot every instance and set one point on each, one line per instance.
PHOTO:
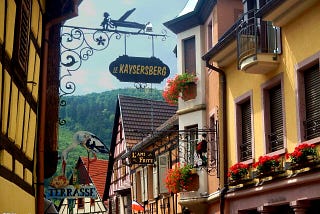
(189, 56)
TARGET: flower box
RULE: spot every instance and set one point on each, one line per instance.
(243, 181)
(183, 85)
(267, 164)
(238, 173)
(303, 153)
(181, 178)
(190, 91)
(273, 173)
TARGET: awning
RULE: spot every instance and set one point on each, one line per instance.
(137, 206)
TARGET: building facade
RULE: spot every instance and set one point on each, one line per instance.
(148, 180)
(29, 99)
(91, 173)
(270, 60)
(135, 118)
(198, 30)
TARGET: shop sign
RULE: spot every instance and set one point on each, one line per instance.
(139, 69)
(70, 191)
(142, 157)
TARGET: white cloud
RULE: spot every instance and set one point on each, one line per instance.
(94, 75)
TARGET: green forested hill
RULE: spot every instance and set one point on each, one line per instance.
(95, 113)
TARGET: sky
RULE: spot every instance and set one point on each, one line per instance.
(93, 76)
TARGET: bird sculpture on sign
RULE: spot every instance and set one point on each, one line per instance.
(85, 139)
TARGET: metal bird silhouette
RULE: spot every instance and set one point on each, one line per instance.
(87, 140)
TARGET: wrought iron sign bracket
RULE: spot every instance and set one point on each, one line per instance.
(184, 144)
(78, 44)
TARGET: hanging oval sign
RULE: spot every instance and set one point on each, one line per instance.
(139, 69)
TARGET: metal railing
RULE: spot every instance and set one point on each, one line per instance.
(312, 128)
(246, 151)
(276, 140)
(256, 36)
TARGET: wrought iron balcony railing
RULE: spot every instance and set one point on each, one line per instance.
(255, 36)
(276, 140)
(312, 128)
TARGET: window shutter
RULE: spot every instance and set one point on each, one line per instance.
(246, 129)
(142, 185)
(163, 168)
(145, 179)
(155, 182)
(276, 119)
(24, 32)
(134, 186)
(312, 100)
(190, 55)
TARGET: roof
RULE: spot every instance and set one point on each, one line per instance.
(141, 116)
(97, 172)
(170, 124)
(195, 13)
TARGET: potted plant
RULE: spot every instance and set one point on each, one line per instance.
(302, 154)
(179, 178)
(176, 86)
(267, 165)
(238, 171)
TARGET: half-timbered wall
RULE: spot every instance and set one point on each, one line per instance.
(20, 47)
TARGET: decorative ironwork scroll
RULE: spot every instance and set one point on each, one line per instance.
(186, 141)
(78, 44)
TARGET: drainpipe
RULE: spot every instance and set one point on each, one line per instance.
(42, 122)
(224, 132)
(42, 108)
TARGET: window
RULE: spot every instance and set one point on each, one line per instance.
(209, 35)
(189, 55)
(244, 127)
(163, 168)
(190, 142)
(155, 181)
(312, 102)
(139, 179)
(144, 184)
(213, 146)
(92, 202)
(273, 114)
(123, 170)
(127, 203)
(80, 203)
(22, 37)
(134, 187)
(309, 99)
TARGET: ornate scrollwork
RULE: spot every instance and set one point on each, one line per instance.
(189, 153)
(78, 44)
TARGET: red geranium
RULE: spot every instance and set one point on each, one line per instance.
(267, 163)
(301, 152)
(178, 178)
(175, 86)
(238, 171)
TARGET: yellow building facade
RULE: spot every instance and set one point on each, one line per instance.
(270, 58)
(29, 80)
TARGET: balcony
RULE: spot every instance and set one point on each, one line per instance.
(258, 45)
